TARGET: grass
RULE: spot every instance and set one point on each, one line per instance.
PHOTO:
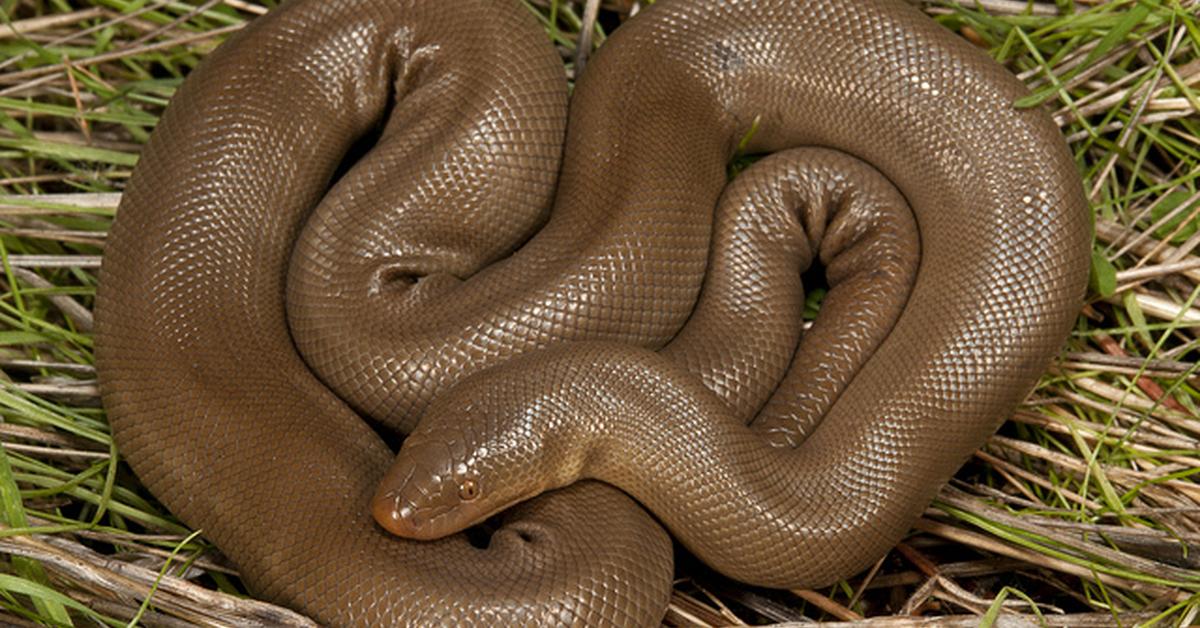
(1083, 510)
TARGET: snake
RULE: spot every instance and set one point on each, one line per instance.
(360, 219)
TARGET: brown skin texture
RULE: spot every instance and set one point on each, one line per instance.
(251, 313)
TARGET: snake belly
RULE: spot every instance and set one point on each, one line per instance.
(457, 240)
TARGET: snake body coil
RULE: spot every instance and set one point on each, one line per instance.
(457, 241)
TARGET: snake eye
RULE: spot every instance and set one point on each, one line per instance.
(468, 490)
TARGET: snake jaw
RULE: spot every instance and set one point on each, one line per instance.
(399, 518)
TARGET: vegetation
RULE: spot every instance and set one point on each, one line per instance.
(1083, 510)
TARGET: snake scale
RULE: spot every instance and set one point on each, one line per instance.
(393, 190)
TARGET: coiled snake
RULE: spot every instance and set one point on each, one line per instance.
(456, 241)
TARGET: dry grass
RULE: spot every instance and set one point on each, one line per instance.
(1083, 510)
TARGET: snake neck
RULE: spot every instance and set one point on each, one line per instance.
(634, 419)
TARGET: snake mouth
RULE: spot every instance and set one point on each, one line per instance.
(404, 518)
(408, 520)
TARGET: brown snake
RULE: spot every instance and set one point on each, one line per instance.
(457, 241)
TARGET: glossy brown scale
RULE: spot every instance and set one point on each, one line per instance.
(459, 241)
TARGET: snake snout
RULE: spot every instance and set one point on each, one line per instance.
(398, 517)
(416, 488)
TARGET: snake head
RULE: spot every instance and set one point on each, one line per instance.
(474, 454)
(423, 485)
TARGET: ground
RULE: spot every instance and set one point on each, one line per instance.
(1084, 509)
